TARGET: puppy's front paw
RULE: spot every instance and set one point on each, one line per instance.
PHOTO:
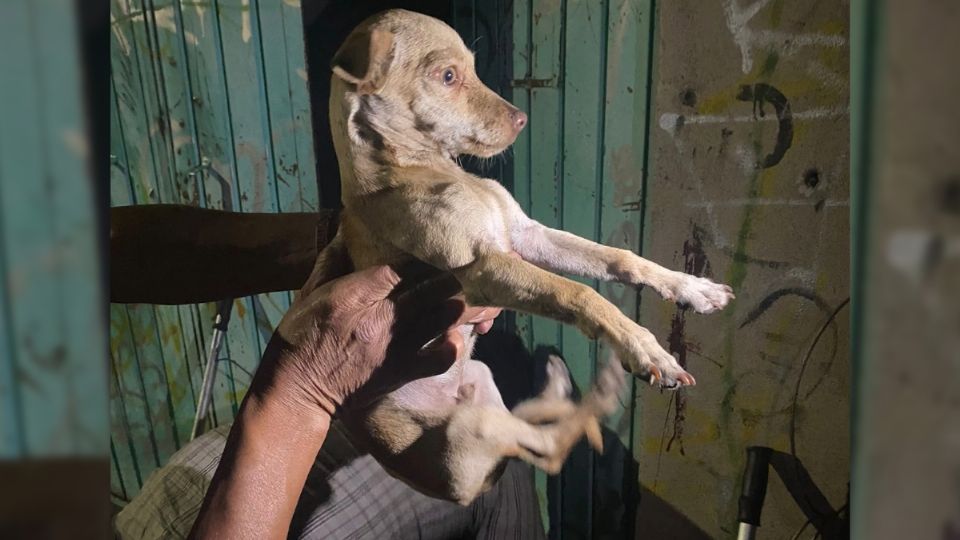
(647, 360)
(703, 295)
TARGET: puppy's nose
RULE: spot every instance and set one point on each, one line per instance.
(518, 118)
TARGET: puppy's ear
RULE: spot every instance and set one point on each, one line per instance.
(364, 59)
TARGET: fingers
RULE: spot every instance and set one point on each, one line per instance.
(367, 286)
(425, 296)
(375, 284)
(481, 317)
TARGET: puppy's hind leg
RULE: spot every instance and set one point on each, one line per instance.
(553, 403)
(556, 408)
(481, 437)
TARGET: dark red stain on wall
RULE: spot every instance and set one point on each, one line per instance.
(694, 262)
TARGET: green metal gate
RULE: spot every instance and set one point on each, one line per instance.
(209, 108)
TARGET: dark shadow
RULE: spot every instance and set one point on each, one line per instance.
(657, 519)
(55, 498)
(517, 373)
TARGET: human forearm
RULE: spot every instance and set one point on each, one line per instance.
(174, 254)
(268, 455)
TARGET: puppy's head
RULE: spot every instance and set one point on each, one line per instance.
(416, 88)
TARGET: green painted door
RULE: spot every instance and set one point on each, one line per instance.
(581, 71)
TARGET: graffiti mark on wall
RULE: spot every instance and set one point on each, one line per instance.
(772, 298)
(759, 94)
(675, 123)
(748, 39)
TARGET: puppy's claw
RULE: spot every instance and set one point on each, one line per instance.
(594, 436)
(558, 384)
(655, 376)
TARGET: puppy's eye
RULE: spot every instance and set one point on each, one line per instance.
(449, 76)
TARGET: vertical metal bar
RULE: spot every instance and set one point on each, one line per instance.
(220, 324)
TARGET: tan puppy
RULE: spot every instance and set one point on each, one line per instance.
(405, 101)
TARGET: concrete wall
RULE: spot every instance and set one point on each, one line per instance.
(749, 185)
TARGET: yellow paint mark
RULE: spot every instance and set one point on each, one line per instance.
(241, 310)
(821, 282)
(718, 103)
(800, 130)
(768, 181)
(835, 59)
(834, 28)
(240, 393)
(176, 385)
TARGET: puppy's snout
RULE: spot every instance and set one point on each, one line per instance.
(518, 119)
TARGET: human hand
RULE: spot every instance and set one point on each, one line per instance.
(361, 336)
(352, 339)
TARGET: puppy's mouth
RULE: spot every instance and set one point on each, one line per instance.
(482, 149)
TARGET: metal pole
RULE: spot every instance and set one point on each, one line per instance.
(753, 492)
(220, 323)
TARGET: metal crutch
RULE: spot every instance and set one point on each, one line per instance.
(220, 323)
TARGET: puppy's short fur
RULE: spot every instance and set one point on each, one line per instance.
(405, 101)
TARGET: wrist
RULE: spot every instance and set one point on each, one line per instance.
(286, 408)
(285, 381)
(269, 452)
